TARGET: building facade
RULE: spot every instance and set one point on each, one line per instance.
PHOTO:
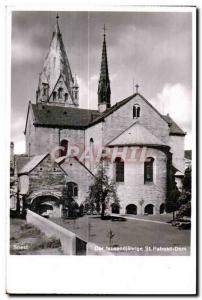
(139, 146)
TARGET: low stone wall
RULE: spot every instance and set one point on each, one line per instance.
(67, 238)
(71, 243)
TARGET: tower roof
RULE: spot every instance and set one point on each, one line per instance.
(104, 73)
(56, 62)
(104, 90)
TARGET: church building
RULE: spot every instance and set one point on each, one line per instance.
(138, 146)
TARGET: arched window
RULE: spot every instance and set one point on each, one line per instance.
(72, 189)
(91, 142)
(64, 144)
(119, 163)
(60, 93)
(136, 111)
(54, 96)
(148, 169)
(76, 95)
(66, 96)
(45, 89)
(91, 151)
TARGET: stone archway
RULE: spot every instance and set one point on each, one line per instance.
(149, 209)
(131, 209)
(162, 208)
(46, 204)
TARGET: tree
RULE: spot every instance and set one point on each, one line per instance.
(184, 201)
(187, 180)
(102, 191)
(174, 194)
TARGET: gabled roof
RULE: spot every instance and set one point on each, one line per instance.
(32, 164)
(61, 160)
(71, 117)
(136, 134)
(20, 161)
(120, 104)
(176, 171)
(64, 117)
(174, 128)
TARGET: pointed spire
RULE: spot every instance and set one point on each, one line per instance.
(104, 91)
(57, 28)
(56, 65)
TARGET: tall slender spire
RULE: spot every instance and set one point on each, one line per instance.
(104, 91)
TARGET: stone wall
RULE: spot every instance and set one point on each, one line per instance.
(96, 133)
(133, 189)
(67, 238)
(122, 118)
(177, 148)
(71, 243)
(75, 141)
(44, 139)
(75, 172)
(47, 176)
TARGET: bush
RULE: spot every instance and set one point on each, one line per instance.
(185, 210)
(44, 243)
(184, 198)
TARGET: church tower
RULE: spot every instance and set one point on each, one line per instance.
(104, 91)
(56, 83)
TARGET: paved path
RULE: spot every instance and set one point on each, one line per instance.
(159, 219)
(146, 220)
(149, 233)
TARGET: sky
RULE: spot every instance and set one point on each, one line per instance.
(153, 49)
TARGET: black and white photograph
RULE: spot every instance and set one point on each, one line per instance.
(101, 133)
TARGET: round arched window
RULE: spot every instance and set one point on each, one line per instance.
(136, 111)
(148, 169)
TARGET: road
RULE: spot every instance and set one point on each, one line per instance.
(133, 232)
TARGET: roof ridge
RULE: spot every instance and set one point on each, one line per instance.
(46, 105)
(137, 126)
(76, 159)
(28, 167)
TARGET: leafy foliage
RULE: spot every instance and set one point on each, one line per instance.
(171, 203)
(184, 201)
(102, 191)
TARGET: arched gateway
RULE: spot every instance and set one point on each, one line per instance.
(149, 209)
(131, 209)
(162, 208)
(46, 204)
